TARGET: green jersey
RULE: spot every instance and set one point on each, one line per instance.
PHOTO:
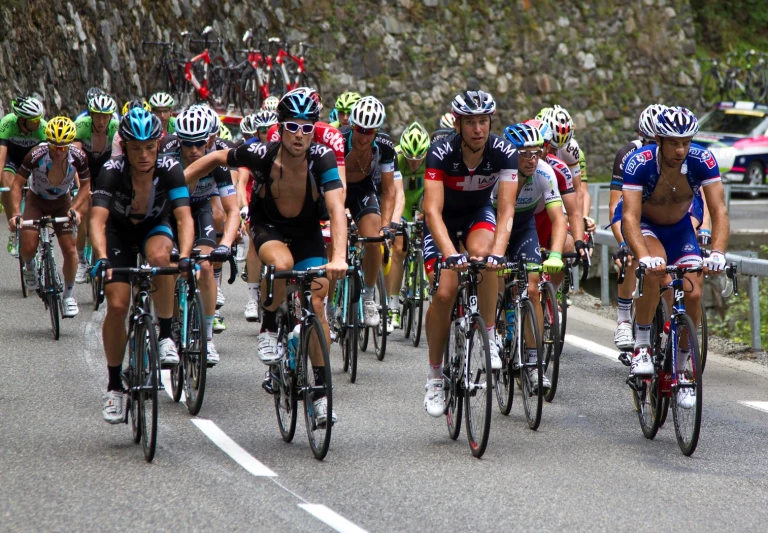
(413, 184)
(171, 125)
(19, 144)
(84, 133)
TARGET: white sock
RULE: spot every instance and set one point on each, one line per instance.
(394, 303)
(435, 371)
(368, 292)
(217, 276)
(253, 291)
(642, 335)
(209, 327)
(69, 290)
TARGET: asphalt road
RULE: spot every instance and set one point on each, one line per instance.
(391, 467)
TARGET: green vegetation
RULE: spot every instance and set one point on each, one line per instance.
(730, 25)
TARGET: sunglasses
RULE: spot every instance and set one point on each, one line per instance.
(59, 147)
(529, 154)
(364, 131)
(293, 127)
(196, 144)
(414, 158)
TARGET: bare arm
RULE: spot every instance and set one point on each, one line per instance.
(630, 217)
(241, 184)
(504, 215)
(3, 154)
(559, 227)
(388, 196)
(575, 216)
(186, 229)
(397, 213)
(204, 166)
(83, 196)
(232, 222)
(16, 187)
(334, 201)
(721, 224)
(98, 231)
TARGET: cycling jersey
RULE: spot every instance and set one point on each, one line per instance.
(583, 166)
(170, 143)
(325, 134)
(18, 143)
(539, 188)
(37, 164)
(617, 180)
(382, 155)
(565, 186)
(570, 154)
(84, 134)
(441, 135)
(466, 190)
(413, 184)
(171, 125)
(217, 183)
(562, 174)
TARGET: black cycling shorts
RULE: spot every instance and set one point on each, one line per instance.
(482, 218)
(124, 245)
(304, 241)
(362, 199)
(525, 241)
(205, 227)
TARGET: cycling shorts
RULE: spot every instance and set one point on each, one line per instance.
(36, 207)
(482, 218)
(305, 244)
(524, 241)
(362, 199)
(11, 166)
(124, 244)
(205, 226)
(679, 240)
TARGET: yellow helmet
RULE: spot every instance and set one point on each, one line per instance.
(135, 103)
(224, 133)
(60, 130)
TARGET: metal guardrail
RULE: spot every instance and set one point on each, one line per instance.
(747, 266)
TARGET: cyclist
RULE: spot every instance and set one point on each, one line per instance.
(225, 134)
(160, 104)
(291, 179)
(131, 104)
(135, 193)
(52, 169)
(446, 128)
(20, 131)
(411, 164)
(659, 185)
(623, 337)
(92, 93)
(94, 135)
(459, 199)
(539, 188)
(192, 130)
(371, 166)
(343, 108)
(270, 103)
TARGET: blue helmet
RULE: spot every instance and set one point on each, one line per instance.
(298, 103)
(676, 122)
(524, 136)
(140, 125)
(333, 116)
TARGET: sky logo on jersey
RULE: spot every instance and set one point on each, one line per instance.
(259, 149)
(319, 149)
(167, 163)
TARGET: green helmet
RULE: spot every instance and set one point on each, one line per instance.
(414, 141)
(544, 111)
(345, 102)
(224, 133)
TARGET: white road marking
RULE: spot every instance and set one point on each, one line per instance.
(231, 448)
(760, 406)
(593, 347)
(166, 375)
(331, 518)
(749, 202)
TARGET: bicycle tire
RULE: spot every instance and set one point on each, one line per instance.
(563, 318)
(551, 338)
(284, 385)
(310, 80)
(195, 354)
(380, 332)
(688, 437)
(418, 307)
(24, 291)
(250, 90)
(710, 88)
(532, 408)
(51, 292)
(177, 371)
(147, 380)
(158, 79)
(352, 331)
(407, 295)
(661, 318)
(313, 338)
(406, 316)
(478, 397)
(130, 372)
(454, 399)
(505, 390)
(704, 336)
(276, 82)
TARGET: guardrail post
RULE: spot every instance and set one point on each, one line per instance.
(727, 189)
(594, 193)
(754, 312)
(605, 276)
(576, 277)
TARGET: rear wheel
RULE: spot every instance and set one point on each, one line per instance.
(417, 310)
(276, 83)
(315, 386)
(551, 338)
(21, 269)
(196, 354)
(52, 293)
(563, 317)
(452, 363)
(158, 79)
(177, 371)
(505, 390)
(687, 393)
(477, 393)
(531, 382)
(703, 336)
(646, 397)
(147, 381)
(380, 331)
(284, 386)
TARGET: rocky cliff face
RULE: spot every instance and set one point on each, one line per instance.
(604, 60)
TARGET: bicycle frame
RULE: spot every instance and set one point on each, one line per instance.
(280, 59)
(201, 88)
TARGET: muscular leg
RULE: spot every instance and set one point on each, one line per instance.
(438, 317)
(157, 250)
(8, 178)
(318, 297)
(114, 333)
(369, 226)
(275, 253)
(479, 243)
(69, 251)
(646, 305)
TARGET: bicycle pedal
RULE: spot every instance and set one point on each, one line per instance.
(632, 382)
(267, 386)
(625, 358)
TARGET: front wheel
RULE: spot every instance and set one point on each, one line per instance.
(380, 331)
(452, 365)
(478, 387)
(284, 385)
(417, 309)
(146, 381)
(52, 294)
(551, 339)
(687, 393)
(531, 371)
(505, 390)
(315, 384)
(195, 354)
(21, 271)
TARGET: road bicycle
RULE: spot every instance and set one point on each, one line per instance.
(415, 289)
(199, 71)
(378, 333)
(49, 285)
(729, 81)
(293, 67)
(518, 327)
(298, 377)
(167, 73)
(467, 362)
(258, 80)
(677, 376)
(141, 369)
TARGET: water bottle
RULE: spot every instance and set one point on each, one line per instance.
(510, 314)
(293, 346)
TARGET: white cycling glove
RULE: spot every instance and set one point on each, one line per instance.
(652, 262)
(715, 262)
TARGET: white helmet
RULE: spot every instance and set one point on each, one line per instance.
(215, 122)
(561, 124)
(367, 113)
(270, 104)
(676, 122)
(193, 124)
(161, 99)
(446, 121)
(27, 107)
(265, 119)
(102, 103)
(473, 103)
(647, 121)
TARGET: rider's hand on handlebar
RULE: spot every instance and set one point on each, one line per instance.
(705, 236)
(456, 262)
(495, 263)
(75, 217)
(581, 248)
(654, 265)
(14, 222)
(336, 270)
(554, 263)
(388, 234)
(715, 262)
(589, 225)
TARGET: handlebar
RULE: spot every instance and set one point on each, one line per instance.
(679, 271)
(46, 220)
(303, 276)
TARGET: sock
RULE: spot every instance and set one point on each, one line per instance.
(30, 265)
(253, 291)
(209, 327)
(368, 292)
(269, 321)
(625, 310)
(81, 256)
(115, 381)
(643, 335)
(394, 303)
(532, 355)
(165, 327)
(217, 276)
(69, 290)
(435, 371)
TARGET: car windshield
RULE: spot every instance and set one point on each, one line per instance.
(732, 121)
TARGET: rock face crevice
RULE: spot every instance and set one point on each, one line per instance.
(603, 60)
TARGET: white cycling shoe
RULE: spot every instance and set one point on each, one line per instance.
(321, 412)
(213, 355)
(169, 355)
(623, 337)
(267, 347)
(113, 410)
(641, 362)
(434, 399)
(371, 313)
(252, 311)
(69, 307)
(82, 273)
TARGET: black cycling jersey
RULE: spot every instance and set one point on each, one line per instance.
(617, 180)
(171, 143)
(441, 135)
(216, 183)
(383, 155)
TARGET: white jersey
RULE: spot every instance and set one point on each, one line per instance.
(570, 155)
(539, 189)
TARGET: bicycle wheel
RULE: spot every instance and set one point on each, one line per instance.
(284, 385)
(147, 383)
(158, 79)
(380, 331)
(52, 293)
(276, 83)
(563, 317)
(195, 354)
(686, 411)
(417, 309)
(503, 377)
(407, 295)
(21, 275)
(709, 89)
(645, 395)
(703, 336)
(352, 331)
(452, 364)
(177, 371)
(250, 94)
(130, 373)
(478, 391)
(551, 338)
(532, 387)
(315, 385)
(310, 80)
